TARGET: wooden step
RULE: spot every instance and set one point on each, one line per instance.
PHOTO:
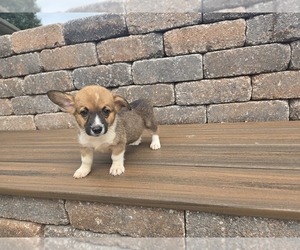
(250, 169)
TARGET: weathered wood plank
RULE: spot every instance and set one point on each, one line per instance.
(212, 168)
(260, 192)
(202, 155)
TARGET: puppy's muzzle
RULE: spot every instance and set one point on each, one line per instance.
(96, 125)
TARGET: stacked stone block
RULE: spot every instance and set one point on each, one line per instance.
(35, 217)
(242, 67)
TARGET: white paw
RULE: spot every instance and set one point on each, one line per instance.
(81, 173)
(155, 144)
(117, 169)
(137, 142)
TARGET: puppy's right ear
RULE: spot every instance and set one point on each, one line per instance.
(65, 101)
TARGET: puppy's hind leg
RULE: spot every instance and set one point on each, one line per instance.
(86, 163)
(137, 142)
(151, 124)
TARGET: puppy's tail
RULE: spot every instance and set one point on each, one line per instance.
(143, 106)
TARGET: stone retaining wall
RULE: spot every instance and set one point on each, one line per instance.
(197, 68)
(29, 217)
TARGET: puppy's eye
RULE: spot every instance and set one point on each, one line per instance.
(106, 112)
(84, 113)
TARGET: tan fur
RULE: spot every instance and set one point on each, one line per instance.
(125, 123)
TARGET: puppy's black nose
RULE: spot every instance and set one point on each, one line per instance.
(97, 130)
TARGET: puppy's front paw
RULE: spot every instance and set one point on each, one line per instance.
(81, 173)
(155, 146)
(116, 169)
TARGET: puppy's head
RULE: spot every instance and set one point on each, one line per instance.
(94, 107)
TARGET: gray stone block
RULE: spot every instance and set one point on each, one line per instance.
(20, 65)
(180, 114)
(6, 107)
(11, 87)
(276, 27)
(69, 57)
(248, 60)
(16, 123)
(203, 38)
(214, 91)
(213, 225)
(42, 211)
(141, 23)
(13, 228)
(31, 105)
(95, 28)
(231, 14)
(35, 39)
(172, 69)
(295, 110)
(125, 220)
(5, 48)
(114, 75)
(159, 94)
(260, 29)
(145, 16)
(41, 83)
(280, 85)
(54, 121)
(287, 27)
(248, 112)
(131, 48)
(295, 60)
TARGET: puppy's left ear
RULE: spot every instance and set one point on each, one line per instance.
(121, 102)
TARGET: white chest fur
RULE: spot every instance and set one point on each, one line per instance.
(100, 143)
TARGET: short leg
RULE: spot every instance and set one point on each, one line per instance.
(137, 142)
(117, 167)
(86, 163)
(155, 144)
(152, 125)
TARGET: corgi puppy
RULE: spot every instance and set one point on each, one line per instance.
(106, 122)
